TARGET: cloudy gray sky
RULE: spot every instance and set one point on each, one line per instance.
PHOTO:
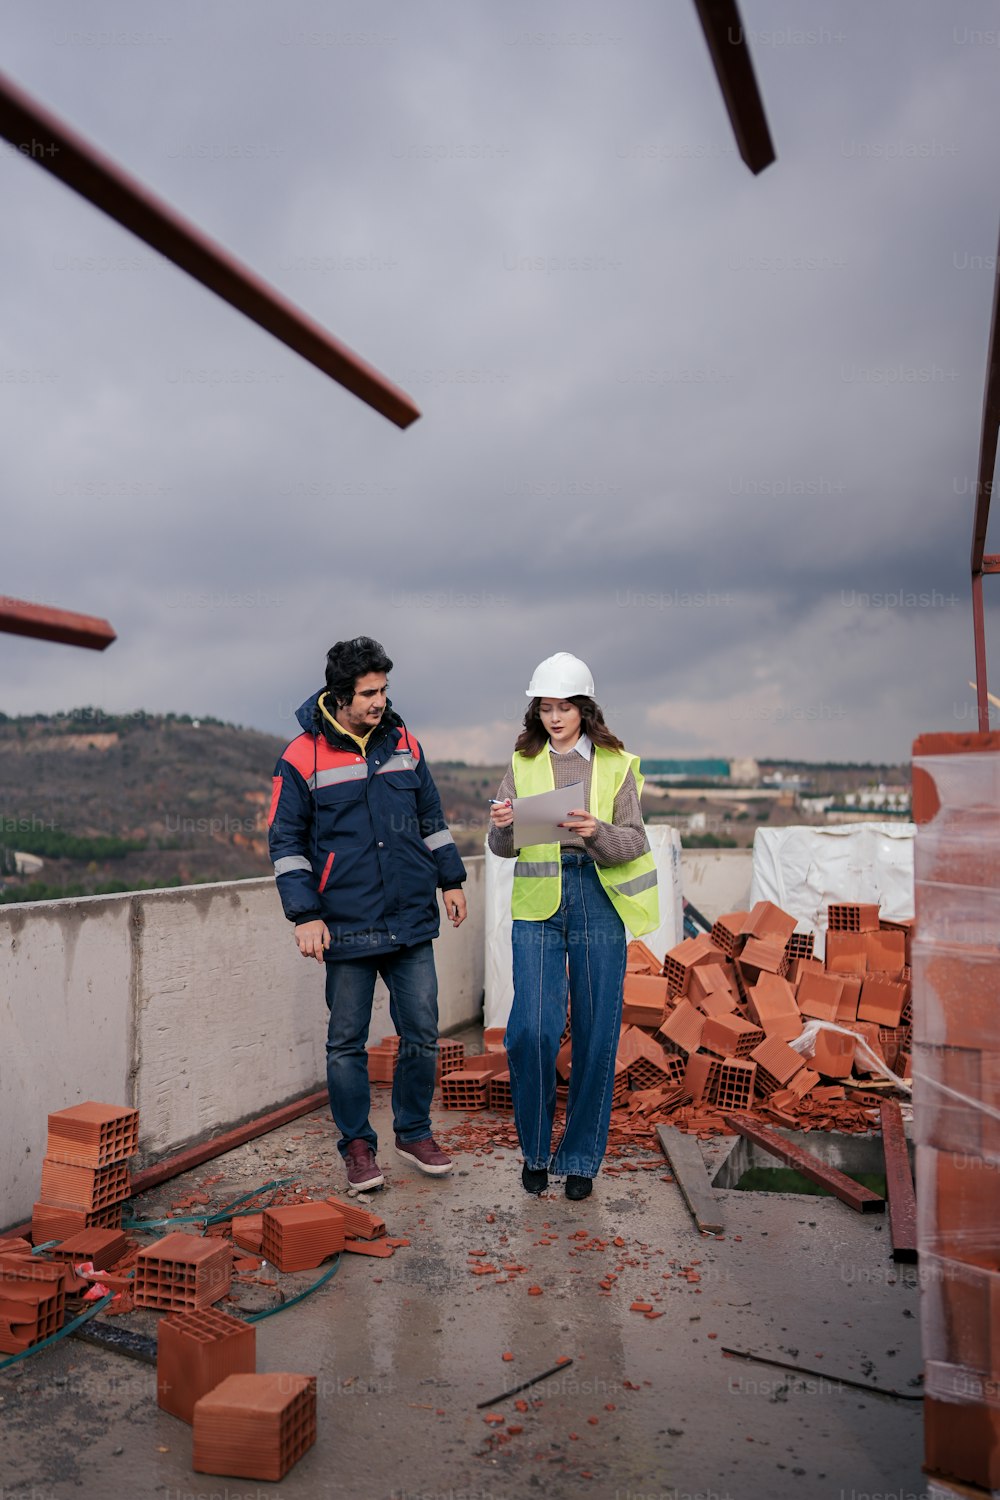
(715, 434)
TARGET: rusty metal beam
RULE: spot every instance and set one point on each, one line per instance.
(17, 617)
(984, 488)
(899, 1183)
(727, 46)
(54, 145)
(845, 1188)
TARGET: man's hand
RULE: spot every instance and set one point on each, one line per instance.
(455, 907)
(312, 939)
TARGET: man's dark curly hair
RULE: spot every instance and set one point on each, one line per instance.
(346, 661)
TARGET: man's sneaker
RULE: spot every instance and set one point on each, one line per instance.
(425, 1155)
(362, 1168)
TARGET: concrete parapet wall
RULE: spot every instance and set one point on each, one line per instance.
(192, 1004)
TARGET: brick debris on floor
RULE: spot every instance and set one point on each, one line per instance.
(713, 1030)
(243, 1424)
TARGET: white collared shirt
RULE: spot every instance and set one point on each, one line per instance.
(582, 747)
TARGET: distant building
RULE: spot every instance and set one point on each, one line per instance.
(744, 772)
(685, 770)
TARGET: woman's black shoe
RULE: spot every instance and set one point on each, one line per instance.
(534, 1182)
(578, 1187)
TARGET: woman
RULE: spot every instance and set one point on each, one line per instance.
(571, 898)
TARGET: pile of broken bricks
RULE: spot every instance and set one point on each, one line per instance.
(244, 1424)
(744, 1019)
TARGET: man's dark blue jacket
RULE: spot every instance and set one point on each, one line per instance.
(360, 840)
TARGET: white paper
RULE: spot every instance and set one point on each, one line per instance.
(536, 818)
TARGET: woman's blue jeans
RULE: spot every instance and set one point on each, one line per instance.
(588, 931)
(411, 979)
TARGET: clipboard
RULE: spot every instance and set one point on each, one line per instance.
(536, 818)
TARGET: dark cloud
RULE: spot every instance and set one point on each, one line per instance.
(714, 433)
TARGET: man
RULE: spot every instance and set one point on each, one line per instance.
(360, 847)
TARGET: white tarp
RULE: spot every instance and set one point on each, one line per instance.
(665, 843)
(802, 870)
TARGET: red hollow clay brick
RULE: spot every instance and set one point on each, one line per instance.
(464, 1089)
(89, 1189)
(701, 1077)
(255, 1426)
(730, 1036)
(886, 953)
(761, 956)
(727, 933)
(846, 953)
(300, 1236)
(48, 1223)
(833, 1054)
(776, 1064)
(359, 1223)
(30, 1311)
(847, 916)
(881, 1001)
(195, 1351)
(680, 960)
(765, 920)
(183, 1271)
(641, 959)
(819, 996)
(102, 1247)
(771, 1003)
(683, 1027)
(93, 1134)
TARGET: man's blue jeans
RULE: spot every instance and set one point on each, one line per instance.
(588, 930)
(411, 979)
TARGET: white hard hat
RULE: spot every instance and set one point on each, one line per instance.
(561, 676)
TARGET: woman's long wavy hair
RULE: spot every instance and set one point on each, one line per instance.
(533, 739)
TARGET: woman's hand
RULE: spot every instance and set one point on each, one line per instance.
(582, 822)
(501, 814)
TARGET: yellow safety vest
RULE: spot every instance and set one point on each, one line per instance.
(538, 871)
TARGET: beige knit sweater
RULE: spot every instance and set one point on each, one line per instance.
(612, 843)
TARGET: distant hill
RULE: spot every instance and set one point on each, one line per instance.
(110, 802)
(126, 802)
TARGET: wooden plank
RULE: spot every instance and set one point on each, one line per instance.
(842, 1187)
(899, 1183)
(688, 1166)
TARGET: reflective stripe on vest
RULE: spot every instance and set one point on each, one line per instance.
(400, 760)
(335, 774)
(439, 840)
(289, 862)
(631, 885)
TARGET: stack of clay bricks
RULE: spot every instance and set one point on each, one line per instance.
(245, 1425)
(85, 1179)
(382, 1060)
(383, 1056)
(956, 1068)
(468, 1087)
(32, 1296)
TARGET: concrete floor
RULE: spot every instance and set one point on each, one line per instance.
(405, 1348)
